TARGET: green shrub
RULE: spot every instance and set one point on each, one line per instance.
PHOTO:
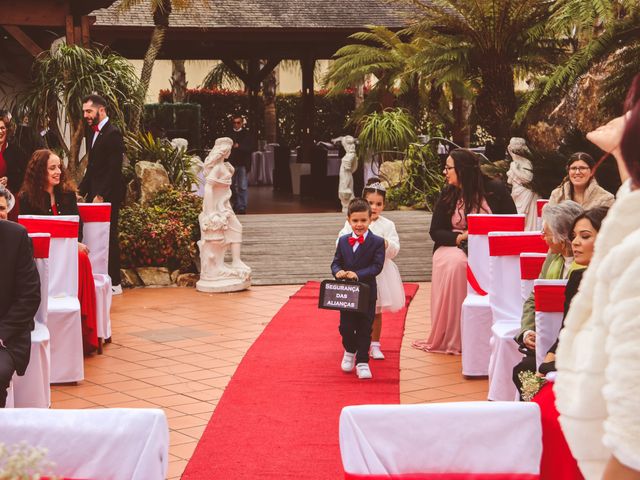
(162, 234)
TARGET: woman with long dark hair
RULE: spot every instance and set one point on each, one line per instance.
(467, 191)
(46, 191)
(598, 359)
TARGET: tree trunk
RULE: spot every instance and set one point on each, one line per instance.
(496, 105)
(461, 131)
(358, 94)
(178, 81)
(77, 134)
(269, 87)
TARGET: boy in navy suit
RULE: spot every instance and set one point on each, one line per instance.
(359, 256)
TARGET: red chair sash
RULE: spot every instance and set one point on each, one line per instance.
(443, 476)
(516, 244)
(482, 225)
(540, 205)
(549, 298)
(473, 281)
(530, 267)
(95, 213)
(41, 246)
(56, 228)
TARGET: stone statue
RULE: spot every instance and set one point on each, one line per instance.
(520, 173)
(196, 166)
(348, 166)
(220, 228)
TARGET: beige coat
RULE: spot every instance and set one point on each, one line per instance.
(594, 195)
(598, 359)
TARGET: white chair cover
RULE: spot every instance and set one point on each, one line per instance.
(63, 313)
(475, 323)
(540, 205)
(530, 268)
(501, 440)
(96, 221)
(549, 295)
(32, 389)
(506, 301)
(114, 443)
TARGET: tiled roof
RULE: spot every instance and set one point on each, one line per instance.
(289, 14)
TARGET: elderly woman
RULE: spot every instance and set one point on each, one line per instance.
(557, 221)
(598, 358)
(581, 185)
(6, 202)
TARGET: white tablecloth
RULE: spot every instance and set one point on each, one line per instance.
(261, 168)
(115, 443)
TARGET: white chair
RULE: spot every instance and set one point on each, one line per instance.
(63, 312)
(32, 390)
(441, 441)
(96, 222)
(549, 296)
(540, 203)
(113, 443)
(475, 322)
(506, 306)
(530, 268)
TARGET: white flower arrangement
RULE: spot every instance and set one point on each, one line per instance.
(531, 384)
(24, 462)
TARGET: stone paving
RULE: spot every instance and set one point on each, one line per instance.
(176, 349)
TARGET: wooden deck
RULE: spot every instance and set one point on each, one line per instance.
(286, 249)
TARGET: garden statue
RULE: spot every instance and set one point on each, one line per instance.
(219, 227)
(348, 166)
(196, 168)
(519, 175)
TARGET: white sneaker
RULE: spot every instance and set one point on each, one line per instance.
(348, 362)
(375, 351)
(363, 371)
(116, 289)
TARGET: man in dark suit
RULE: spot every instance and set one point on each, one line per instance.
(359, 256)
(240, 158)
(103, 181)
(19, 302)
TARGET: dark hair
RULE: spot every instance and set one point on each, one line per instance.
(471, 179)
(585, 157)
(95, 99)
(594, 215)
(35, 180)
(630, 143)
(358, 205)
(237, 116)
(367, 190)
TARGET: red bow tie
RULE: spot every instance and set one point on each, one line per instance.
(95, 128)
(353, 240)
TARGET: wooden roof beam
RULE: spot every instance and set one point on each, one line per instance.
(23, 39)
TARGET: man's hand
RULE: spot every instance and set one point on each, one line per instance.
(98, 199)
(341, 274)
(530, 340)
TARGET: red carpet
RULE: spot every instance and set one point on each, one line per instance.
(278, 417)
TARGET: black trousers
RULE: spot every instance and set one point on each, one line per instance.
(528, 363)
(114, 246)
(355, 329)
(7, 369)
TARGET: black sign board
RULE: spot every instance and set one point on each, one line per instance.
(344, 295)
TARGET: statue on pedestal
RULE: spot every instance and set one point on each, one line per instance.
(520, 174)
(219, 227)
(348, 166)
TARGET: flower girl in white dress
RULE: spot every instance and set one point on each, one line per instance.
(391, 296)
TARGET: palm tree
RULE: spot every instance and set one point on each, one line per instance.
(61, 77)
(490, 43)
(161, 10)
(178, 81)
(602, 29)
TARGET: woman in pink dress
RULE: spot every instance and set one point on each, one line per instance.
(467, 191)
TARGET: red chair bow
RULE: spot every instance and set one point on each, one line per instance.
(353, 240)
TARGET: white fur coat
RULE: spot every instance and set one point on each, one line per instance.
(598, 360)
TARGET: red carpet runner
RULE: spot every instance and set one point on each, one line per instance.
(278, 417)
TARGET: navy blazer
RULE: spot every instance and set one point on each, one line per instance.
(367, 261)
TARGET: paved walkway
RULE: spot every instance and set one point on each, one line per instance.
(176, 349)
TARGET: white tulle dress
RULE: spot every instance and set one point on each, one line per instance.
(391, 297)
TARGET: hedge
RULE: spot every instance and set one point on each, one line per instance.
(218, 106)
(176, 120)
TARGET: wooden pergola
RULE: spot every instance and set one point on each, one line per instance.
(263, 32)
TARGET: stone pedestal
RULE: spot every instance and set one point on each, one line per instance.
(222, 285)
